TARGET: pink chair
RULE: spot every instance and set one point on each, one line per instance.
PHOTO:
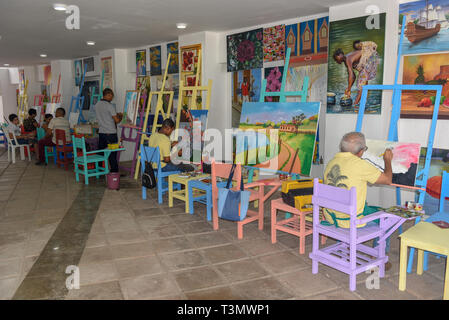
(349, 254)
(222, 170)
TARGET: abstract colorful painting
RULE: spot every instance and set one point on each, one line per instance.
(131, 106)
(308, 42)
(141, 63)
(425, 69)
(245, 50)
(356, 58)
(295, 125)
(155, 61)
(274, 43)
(274, 81)
(106, 66)
(427, 28)
(405, 159)
(245, 87)
(78, 72)
(173, 66)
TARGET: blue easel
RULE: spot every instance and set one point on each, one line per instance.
(98, 95)
(79, 100)
(282, 94)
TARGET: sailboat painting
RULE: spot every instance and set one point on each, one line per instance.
(427, 26)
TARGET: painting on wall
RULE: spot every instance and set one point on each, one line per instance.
(89, 88)
(78, 72)
(245, 50)
(189, 56)
(308, 42)
(317, 82)
(274, 43)
(131, 106)
(356, 58)
(106, 66)
(195, 123)
(143, 85)
(294, 123)
(245, 87)
(274, 81)
(90, 63)
(21, 80)
(141, 63)
(427, 26)
(173, 66)
(155, 61)
(425, 69)
(47, 75)
(438, 163)
(405, 159)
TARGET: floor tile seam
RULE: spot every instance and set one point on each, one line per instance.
(395, 283)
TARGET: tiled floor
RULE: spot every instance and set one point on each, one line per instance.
(129, 248)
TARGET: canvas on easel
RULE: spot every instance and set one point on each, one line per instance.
(131, 106)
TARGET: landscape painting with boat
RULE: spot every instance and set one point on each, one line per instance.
(427, 26)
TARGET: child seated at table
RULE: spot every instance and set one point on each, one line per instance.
(13, 127)
(161, 139)
(47, 119)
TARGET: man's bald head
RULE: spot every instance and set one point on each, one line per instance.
(353, 142)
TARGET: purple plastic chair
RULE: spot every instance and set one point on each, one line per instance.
(349, 254)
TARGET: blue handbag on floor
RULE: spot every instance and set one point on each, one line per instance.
(233, 205)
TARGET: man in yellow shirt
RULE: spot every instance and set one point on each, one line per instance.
(161, 139)
(347, 170)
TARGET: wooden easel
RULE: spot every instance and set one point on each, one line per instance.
(159, 110)
(22, 108)
(197, 89)
(79, 100)
(56, 98)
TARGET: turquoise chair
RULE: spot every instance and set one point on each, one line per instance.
(153, 155)
(49, 151)
(441, 215)
(82, 161)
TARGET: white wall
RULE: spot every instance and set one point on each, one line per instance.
(8, 94)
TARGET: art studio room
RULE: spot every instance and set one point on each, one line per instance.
(261, 152)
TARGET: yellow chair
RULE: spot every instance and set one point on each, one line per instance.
(424, 236)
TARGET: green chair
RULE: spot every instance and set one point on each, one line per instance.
(49, 151)
(89, 163)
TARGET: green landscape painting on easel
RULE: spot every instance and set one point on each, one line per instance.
(294, 124)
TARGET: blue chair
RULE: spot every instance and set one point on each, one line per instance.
(205, 198)
(49, 151)
(441, 215)
(5, 141)
(152, 155)
(85, 159)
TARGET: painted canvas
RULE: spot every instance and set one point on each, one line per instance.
(155, 61)
(47, 75)
(106, 66)
(173, 66)
(143, 85)
(274, 43)
(427, 26)
(245, 50)
(245, 88)
(274, 81)
(438, 163)
(317, 82)
(141, 63)
(195, 123)
(425, 69)
(189, 56)
(78, 72)
(295, 125)
(88, 90)
(21, 80)
(90, 63)
(308, 42)
(405, 159)
(131, 106)
(356, 58)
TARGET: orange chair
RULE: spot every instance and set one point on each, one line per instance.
(64, 151)
(222, 170)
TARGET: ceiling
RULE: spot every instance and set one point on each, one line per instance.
(31, 27)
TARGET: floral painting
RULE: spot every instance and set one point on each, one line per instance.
(274, 43)
(155, 61)
(274, 82)
(141, 63)
(189, 60)
(172, 48)
(245, 50)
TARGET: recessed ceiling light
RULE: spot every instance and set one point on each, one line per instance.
(43, 55)
(181, 25)
(90, 43)
(59, 7)
(6, 65)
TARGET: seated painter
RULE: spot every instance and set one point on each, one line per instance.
(161, 139)
(347, 170)
(47, 119)
(13, 127)
(30, 124)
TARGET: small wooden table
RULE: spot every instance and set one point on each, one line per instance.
(182, 194)
(424, 236)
